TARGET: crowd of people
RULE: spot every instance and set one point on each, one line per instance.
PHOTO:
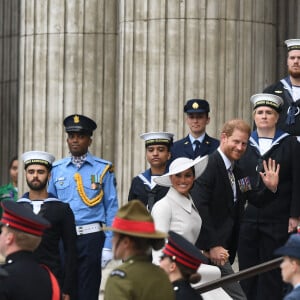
(203, 201)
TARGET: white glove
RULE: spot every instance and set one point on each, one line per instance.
(107, 256)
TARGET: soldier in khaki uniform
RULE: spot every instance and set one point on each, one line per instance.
(137, 278)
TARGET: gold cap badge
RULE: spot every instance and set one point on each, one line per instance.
(195, 105)
(76, 119)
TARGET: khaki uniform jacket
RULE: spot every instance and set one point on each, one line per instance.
(138, 279)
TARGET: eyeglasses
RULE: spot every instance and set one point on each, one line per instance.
(1, 225)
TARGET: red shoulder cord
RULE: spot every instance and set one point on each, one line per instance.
(54, 284)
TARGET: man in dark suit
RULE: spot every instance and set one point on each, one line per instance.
(218, 196)
(198, 142)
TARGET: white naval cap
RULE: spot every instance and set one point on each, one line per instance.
(37, 158)
(157, 138)
(293, 44)
(264, 99)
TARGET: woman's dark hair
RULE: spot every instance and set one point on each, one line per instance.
(12, 161)
(188, 274)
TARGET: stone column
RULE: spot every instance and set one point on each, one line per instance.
(67, 65)
(288, 27)
(9, 58)
(171, 51)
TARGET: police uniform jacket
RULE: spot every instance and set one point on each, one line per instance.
(26, 279)
(184, 147)
(283, 89)
(64, 187)
(184, 291)
(62, 228)
(138, 279)
(285, 202)
(142, 190)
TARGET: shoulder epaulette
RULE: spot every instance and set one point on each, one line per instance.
(107, 162)
(59, 162)
(118, 273)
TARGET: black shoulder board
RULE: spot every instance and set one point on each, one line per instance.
(118, 273)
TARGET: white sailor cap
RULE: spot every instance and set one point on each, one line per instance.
(38, 158)
(264, 99)
(293, 44)
(157, 138)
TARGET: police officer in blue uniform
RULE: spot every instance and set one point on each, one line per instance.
(158, 153)
(197, 142)
(88, 184)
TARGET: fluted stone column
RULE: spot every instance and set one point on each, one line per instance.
(67, 65)
(9, 57)
(171, 51)
(132, 64)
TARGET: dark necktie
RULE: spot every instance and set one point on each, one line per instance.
(197, 148)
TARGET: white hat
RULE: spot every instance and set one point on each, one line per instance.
(37, 158)
(181, 164)
(293, 44)
(264, 99)
(157, 138)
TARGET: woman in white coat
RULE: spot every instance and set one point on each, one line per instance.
(176, 211)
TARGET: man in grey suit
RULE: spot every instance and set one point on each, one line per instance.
(219, 197)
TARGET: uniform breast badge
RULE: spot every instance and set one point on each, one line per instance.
(95, 182)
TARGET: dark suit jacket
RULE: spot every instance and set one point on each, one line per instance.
(213, 196)
(221, 216)
(184, 147)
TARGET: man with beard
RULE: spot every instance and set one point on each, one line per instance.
(38, 166)
(288, 89)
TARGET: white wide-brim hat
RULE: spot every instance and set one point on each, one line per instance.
(181, 164)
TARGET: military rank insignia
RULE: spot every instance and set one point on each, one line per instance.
(118, 273)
